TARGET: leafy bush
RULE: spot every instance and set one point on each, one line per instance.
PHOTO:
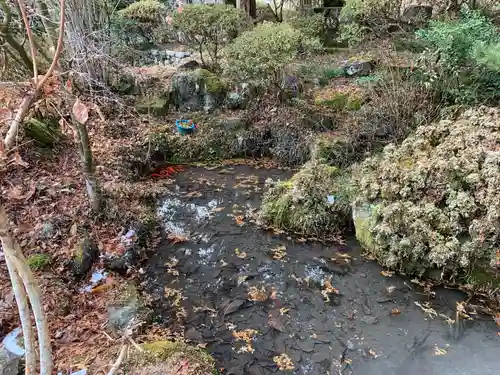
(301, 204)
(435, 201)
(460, 60)
(148, 11)
(209, 27)
(312, 26)
(260, 55)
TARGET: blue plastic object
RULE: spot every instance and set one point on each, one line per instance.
(185, 126)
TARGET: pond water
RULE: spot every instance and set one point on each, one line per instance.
(327, 308)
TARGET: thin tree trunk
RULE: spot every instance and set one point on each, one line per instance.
(93, 190)
(22, 111)
(23, 308)
(21, 274)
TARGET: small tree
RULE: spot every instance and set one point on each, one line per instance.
(260, 55)
(207, 28)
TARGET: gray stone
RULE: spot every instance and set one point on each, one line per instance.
(11, 353)
(306, 345)
(370, 319)
(127, 308)
(86, 253)
(359, 68)
(170, 53)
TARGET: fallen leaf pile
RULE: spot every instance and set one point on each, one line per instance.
(247, 336)
(278, 253)
(284, 362)
(328, 288)
(258, 294)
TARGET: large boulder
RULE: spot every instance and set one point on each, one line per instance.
(197, 90)
(435, 200)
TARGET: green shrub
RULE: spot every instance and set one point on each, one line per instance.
(312, 26)
(207, 28)
(148, 11)
(38, 262)
(259, 55)
(301, 204)
(434, 200)
(460, 60)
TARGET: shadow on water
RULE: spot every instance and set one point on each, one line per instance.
(355, 332)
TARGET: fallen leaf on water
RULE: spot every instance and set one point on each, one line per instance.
(257, 294)
(202, 345)
(301, 240)
(395, 311)
(284, 310)
(233, 306)
(218, 209)
(278, 253)
(439, 351)
(327, 289)
(176, 238)
(496, 318)
(240, 254)
(284, 362)
(193, 194)
(248, 335)
(391, 289)
(239, 220)
(275, 323)
(372, 353)
(387, 273)
(241, 279)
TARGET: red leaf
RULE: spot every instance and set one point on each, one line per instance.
(68, 85)
(80, 111)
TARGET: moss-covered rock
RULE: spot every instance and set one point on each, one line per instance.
(437, 199)
(197, 90)
(37, 262)
(315, 201)
(168, 357)
(126, 307)
(85, 254)
(45, 133)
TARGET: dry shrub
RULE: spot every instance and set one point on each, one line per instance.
(435, 199)
(396, 106)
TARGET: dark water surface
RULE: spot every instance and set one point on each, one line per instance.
(351, 333)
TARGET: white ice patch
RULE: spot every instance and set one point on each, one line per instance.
(171, 207)
(205, 254)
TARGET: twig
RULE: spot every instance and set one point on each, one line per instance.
(135, 344)
(119, 360)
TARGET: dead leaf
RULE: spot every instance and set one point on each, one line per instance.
(80, 112)
(73, 230)
(193, 194)
(284, 362)
(240, 254)
(19, 161)
(176, 238)
(257, 294)
(387, 273)
(233, 306)
(438, 351)
(395, 311)
(275, 323)
(239, 220)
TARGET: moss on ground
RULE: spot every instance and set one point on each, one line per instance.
(38, 262)
(167, 357)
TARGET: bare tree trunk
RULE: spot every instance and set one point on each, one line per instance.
(93, 190)
(22, 306)
(19, 270)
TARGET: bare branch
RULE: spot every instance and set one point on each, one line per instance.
(22, 9)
